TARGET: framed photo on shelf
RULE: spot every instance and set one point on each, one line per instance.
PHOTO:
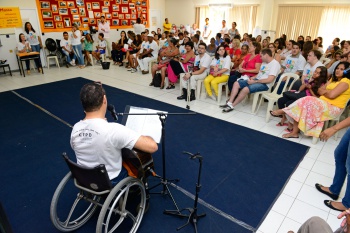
(127, 16)
(125, 1)
(125, 10)
(58, 18)
(97, 14)
(92, 21)
(75, 17)
(63, 11)
(105, 9)
(82, 11)
(115, 22)
(48, 24)
(115, 14)
(67, 23)
(117, 1)
(80, 3)
(106, 3)
(85, 20)
(124, 22)
(121, 16)
(78, 23)
(46, 14)
(144, 11)
(54, 8)
(88, 6)
(70, 4)
(74, 11)
(108, 16)
(59, 25)
(144, 3)
(95, 5)
(62, 4)
(45, 5)
(132, 22)
(133, 16)
(139, 8)
(138, 3)
(132, 5)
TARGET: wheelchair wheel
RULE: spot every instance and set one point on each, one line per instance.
(60, 57)
(123, 208)
(66, 216)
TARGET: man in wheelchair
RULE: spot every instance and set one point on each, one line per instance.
(96, 141)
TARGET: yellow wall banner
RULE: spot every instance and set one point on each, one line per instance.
(10, 17)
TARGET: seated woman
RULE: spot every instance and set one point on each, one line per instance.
(178, 66)
(319, 78)
(275, 55)
(309, 113)
(250, 65)
(88, 45)
(24, 47)
(235, 51)
(219, 71)
(135, 45)
(182, 47)
(264, 44)
(239, 60)
(164, 58)
(126, 50)
(117, 53)
(211, 48)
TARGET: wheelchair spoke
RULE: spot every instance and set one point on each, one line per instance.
(71, 210)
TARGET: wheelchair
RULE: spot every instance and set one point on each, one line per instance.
(123, 205)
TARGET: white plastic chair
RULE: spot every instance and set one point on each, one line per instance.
(220, 91)
(52, 57)
(273, 96)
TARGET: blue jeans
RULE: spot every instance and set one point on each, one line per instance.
(283, 83)
(68, 56)
(78, 51)
(342, 168)
(255, 87)
(36, 48)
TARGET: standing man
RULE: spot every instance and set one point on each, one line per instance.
(224, 29)
(166, 25)
(138, 27)
(260, 82)
(202, 64)
(206, 31)
(149, 53)
(103, 27)
(96, 141)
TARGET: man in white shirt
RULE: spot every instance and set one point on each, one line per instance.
(138, 27)
(206, 31)
(149, 53)
(260, 82)
(224, 29)
(200, 72)
(67, 49)
(103, 27)
(100, 48)
(96, 141)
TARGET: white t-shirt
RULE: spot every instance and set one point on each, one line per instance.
(204, 61)
(76, 41)
(95, 142)
(153, 45)
(309, 70)
(21, 46)
(285, 52)
(206, 30)
(161, 42)
(267, 69)
(293, 64)
(106, 27)
(32, 38)
(66, 43)
(223, 31)
(182, 49)
(138, 28)
(222, 63)
(102, 43)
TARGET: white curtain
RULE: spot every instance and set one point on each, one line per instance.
(244, 16)
(334, 23)
(298, 20)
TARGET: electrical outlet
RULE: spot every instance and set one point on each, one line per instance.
(11, 51)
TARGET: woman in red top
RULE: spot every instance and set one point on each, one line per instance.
(250, 65)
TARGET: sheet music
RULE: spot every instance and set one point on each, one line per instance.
(147, 125)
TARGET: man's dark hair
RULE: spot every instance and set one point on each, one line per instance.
(101, 34)
(196, 36)
(180, 34)
(218, 35)
(138, 20)
(238, 37)
(295, 43)
(204, 44)
(91, 96)
(317, 53)
(266, 51)
(65, 33)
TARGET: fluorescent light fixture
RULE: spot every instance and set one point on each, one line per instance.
(221, 5)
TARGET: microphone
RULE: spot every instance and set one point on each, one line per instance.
(111, 109)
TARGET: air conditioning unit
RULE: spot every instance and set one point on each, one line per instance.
(223, 5)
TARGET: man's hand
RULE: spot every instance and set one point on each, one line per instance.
(186, 76)
(251, 81)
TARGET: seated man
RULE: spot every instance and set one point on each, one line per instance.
(100, 48)
(96, 141)
(202, 62)
(149, 53)
(67, 49)
(261, 82)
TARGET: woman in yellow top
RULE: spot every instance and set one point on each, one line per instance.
(309, 113)
(166, 25)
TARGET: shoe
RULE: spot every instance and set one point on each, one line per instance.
(331, 195)
(145, 72)
(288, 130)
(133, 70)
(151, 84)
(129, 69)
(40, 70)
(170, 87)
(193, 94)
(89, 64)
(121, 64)
(328, 203)
(28, 71)
(125, 60)
(223, 106)
(213, 96)
(280, 124)
(184, 94)
(289, 136)
(228, 109)
(162, 86)
(275, 115)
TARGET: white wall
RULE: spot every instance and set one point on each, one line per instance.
(180, 12)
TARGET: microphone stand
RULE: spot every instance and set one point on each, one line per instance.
(163, 180)
(193, 217)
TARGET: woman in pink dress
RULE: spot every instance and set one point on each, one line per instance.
(177, 67)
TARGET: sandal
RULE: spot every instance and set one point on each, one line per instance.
(170, 87)
(228, 109)
(280, 124)
(271, 112)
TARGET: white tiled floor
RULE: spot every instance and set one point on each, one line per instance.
(299, 199)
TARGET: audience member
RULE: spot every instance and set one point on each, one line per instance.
(301, 42)
(211, 48)
(346, 48)
(219, 71)
(287, 51)
(149, 53)
(200, 71)
(235, 51)
(224, 29)
(308, 114)
(233, 30)
(275, 55)
(104, 28)
(193, 29)
(166, 26)
(67, 49)
(264, 44)
(177, 66)
(77, 47)
(35, 43)
(260, 82)
(218, 39)
(240, 59)
(24, 47)
(88, 47)
(308, 46)
(308, 38)
(100, 48)
(206, 30)
(343, 57)
(138, 26)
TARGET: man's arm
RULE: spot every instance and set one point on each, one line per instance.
(146, 144)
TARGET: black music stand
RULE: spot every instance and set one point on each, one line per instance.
(163, 180)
